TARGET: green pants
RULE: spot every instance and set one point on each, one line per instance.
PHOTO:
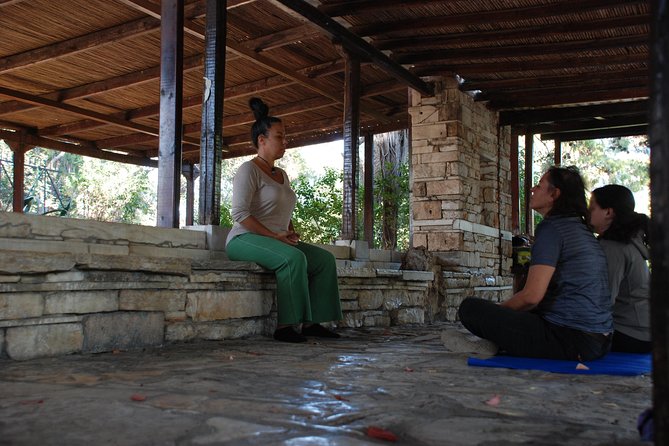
(306, 277)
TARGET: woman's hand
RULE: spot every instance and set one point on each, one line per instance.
(289, 237)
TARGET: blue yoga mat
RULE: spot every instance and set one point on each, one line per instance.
(626, 364)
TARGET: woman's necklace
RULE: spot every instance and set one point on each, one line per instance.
(271, 168)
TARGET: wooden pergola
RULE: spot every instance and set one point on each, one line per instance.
(166, 84)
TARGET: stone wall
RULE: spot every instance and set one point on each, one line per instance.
(69, 286)
(461, 196)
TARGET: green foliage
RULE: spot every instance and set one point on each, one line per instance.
(317, 215)
(391, 201)
(601, 161)
(82, 187)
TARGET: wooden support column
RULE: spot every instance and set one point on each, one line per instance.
(171, 89)
(659, 194)
(19, 172)
(369, 189)
(190, 173)
(351, 136)
(211, 144)
(529, 160)
(515, 185)
(557, 154)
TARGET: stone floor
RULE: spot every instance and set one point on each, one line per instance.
(261, 392)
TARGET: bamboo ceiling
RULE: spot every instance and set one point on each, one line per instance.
(83, 75)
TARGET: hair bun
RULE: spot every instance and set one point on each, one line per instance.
(259, 108)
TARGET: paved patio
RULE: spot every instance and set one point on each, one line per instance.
(261, 392)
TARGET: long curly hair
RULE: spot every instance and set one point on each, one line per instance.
(626, 223)
(263, 120)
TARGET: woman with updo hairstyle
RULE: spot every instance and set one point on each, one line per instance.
(262, 207)
(564, 308)
(623, 235)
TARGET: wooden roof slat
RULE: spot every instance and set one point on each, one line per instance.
(573, 97)
(636, 130)
(534, 12)
(33, 140)
(102, 86)
(354, 43)
(523, 51)
(465, 69)
(77, 44)
(536, 116)
(520, 31)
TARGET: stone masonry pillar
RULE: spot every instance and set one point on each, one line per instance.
(461, 194)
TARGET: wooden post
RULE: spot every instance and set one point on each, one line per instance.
(515, 185)
(211, 140)
(529, 159)
(557, 154)
(369, 189)
(171, 89)
(351, 136)
(19, 160)
(659, 194)
(190, 172)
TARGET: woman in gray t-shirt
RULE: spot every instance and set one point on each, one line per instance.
(262, 206)
(623, 237)
(564, 309)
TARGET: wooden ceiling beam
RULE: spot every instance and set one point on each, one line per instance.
(354, 7)
(542, 50)
(585, 125)
(34, 140)
(258, 59)
(78, 44)
(356, 44)
(516, 117)
(282, 38)
(101, 86)
(574, 97)
(637, 130)
(601, 63)
(530, 82)
(612, 86)
(558, 9)
(520, 31)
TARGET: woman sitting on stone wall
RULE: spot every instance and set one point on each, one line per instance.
(564, 309)
(262, 208)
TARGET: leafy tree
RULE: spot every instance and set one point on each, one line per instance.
(601, 161)
(83, 187)
(317, 216)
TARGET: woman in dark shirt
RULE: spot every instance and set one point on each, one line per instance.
(564, 309)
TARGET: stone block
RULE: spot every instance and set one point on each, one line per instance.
(370, 299)
(215, 235)
(425, 171)
(79, 302)
(410, 316)
(164, 265)
(424, 114)
(427, 210)
(426, 276)
(31, 262)
(21, 305)
(43, 340)
(154, 251)
(443, 187)
(380, 255)
(122, 331)
(359, 249)
(233, 329)
(219, 305)
(445, 241)
(429, 131)
(341, 249)
(152, 300)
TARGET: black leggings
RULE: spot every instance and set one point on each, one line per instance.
(628, 344)
(524, 333)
